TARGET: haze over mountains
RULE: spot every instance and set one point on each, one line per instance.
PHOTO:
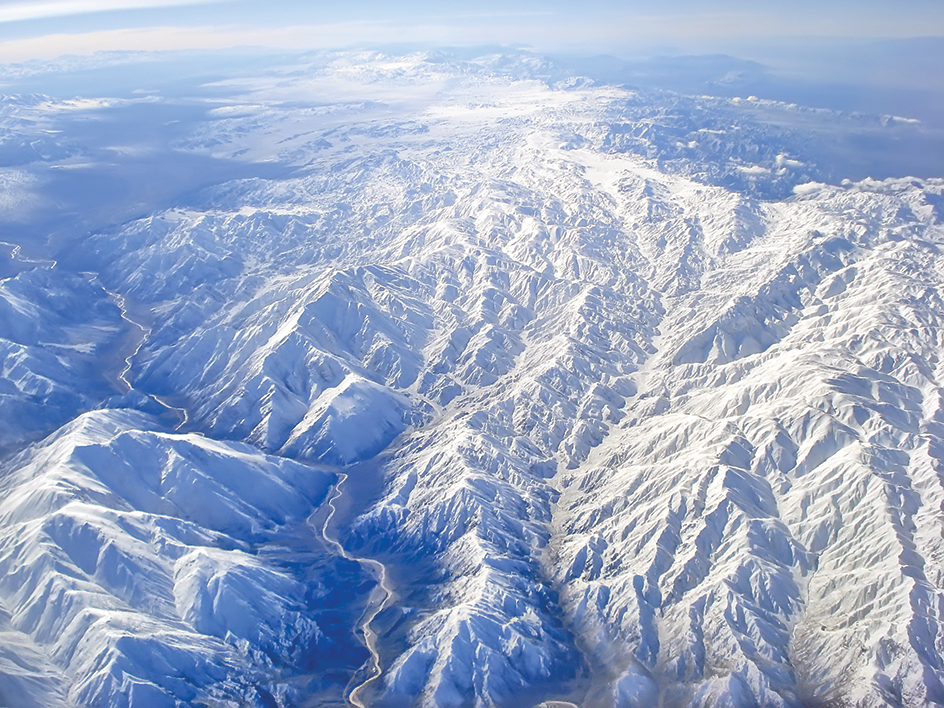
(635, 395)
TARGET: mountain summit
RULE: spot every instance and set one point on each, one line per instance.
(483, 385)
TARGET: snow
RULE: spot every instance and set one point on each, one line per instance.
(653, 401)
(54, 326)
(128, 566)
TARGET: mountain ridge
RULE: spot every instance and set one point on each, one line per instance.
(654, 409)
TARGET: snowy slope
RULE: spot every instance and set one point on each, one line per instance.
(766, 522)
(56, 330)
(655, 416)
(134, 568)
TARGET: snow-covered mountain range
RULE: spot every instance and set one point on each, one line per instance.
(636, 402)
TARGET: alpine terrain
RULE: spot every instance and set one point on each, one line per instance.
(481, 384)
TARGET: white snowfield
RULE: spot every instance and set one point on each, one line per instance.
(657, 417)
(131, 570)
(54, 329)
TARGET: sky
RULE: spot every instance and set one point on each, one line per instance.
(45, 29)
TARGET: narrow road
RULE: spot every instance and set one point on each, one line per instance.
(380, 598)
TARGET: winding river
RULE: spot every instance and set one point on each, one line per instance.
(138, 336)
(380, 598)
(16, 257)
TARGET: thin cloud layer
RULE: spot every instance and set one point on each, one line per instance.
(44, 30)
(24, 11)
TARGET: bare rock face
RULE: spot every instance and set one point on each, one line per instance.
(652, 417)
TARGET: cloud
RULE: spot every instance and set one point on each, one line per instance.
(626, 28)
(51, 46)
(19, 11)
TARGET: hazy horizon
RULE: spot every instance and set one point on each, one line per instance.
(44, 30)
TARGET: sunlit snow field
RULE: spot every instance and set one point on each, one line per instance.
(467, 378)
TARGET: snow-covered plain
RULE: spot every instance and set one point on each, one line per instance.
(638, 403)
